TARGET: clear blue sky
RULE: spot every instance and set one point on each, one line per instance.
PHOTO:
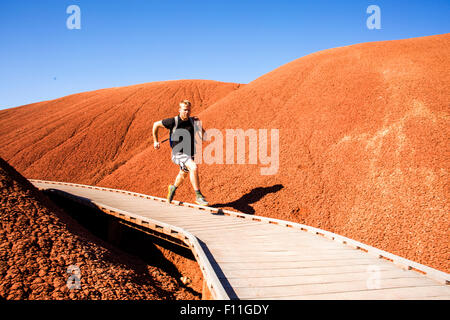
(125, 42)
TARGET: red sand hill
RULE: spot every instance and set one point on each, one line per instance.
(38, 242)
(363, 140)
(85, 137)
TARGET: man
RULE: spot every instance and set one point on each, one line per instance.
(183, 150)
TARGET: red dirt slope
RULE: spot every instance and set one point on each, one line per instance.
(84, 137)
(38, 242)
(363, 144)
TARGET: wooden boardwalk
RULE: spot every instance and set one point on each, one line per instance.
(250, 257)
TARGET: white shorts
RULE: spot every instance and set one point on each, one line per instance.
(181, 159)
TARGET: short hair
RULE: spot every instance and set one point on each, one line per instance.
(185, 103)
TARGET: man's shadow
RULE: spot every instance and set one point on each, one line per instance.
(243, 203)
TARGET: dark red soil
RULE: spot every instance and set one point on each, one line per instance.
(38, 243)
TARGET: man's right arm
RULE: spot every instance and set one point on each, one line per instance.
(156, 126)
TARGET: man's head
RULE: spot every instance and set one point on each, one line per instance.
(185, 109)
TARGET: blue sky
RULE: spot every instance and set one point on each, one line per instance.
(126, 42)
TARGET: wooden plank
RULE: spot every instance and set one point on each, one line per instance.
(254, 246)
(249, 234)
(258, 231)
(292, 238)
(215, 225)
(289, 238)
(236, 240)
(228, 230)
(259, 248)
(203, 225)
(447, 297)
(185, 219)
(292, 272)
(269, 258)
(222, 241)
(271, 281)
(334, 287)
(179, 215)
(254, 252)
(275, 244)
(296, 264)
(406, 293)
(256, 255)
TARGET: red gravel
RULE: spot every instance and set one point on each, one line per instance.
(38, 242)
(363, 142)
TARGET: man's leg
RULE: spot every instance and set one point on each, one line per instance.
(195, 181)
(172, 188)
(193, 174)
(180, 178)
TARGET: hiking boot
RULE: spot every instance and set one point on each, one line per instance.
(201, 200)
(171, 193)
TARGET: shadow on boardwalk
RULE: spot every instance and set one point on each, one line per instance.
(243, 203)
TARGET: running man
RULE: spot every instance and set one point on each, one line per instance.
(182, 142)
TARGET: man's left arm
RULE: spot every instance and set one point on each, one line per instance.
(202, 134)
